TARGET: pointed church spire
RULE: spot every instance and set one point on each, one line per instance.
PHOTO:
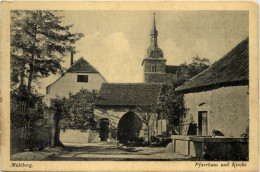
(154, 23)
(153, 51)
(154, 33)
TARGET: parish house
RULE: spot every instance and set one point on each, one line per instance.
(218, 98)
(217, 103)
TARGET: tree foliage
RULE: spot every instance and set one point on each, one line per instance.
(38, 44)
(77, 111)
(171, 107)
(147, 114)
(26, 108)
(187, 71)
(81, 110)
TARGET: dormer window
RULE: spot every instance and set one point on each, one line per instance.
(154, 68)
(82, 78)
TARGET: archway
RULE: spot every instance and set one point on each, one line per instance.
(104, 129)
(129, 127)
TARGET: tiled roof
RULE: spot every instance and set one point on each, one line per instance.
(136, 94)
(232, 69)
(82, 66)
(167, 78)
(172, 69)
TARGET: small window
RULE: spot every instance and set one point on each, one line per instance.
(153, 68)
(48, 90)
(82, 78)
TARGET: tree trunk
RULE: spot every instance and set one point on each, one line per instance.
(148, 133)
(29, 86)
(31, 71)
(57, 141)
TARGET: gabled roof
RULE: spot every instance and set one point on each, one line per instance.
(172, 69)
(117, 94)
(82, 66)
(230, 70)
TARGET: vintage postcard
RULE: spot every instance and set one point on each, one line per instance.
(129, 86)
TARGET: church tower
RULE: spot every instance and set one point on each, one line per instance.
(153, 64)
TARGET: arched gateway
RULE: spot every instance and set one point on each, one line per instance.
(129, 127)
(118, 102)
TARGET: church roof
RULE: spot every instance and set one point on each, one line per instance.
(172, 69)
(154, 30)
(230, 70)
(165, 78)
(82, 66)
(154, 52)
(131, 94)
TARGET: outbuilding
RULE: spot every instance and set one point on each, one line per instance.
(217, 104)
(218, 98)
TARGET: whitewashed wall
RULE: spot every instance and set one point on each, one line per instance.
(68, 84)
(227, 108)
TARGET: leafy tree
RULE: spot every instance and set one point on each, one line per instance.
(171, 104)
(187, 71)
(26, 109)
(38, 44)
(76, 112)
(58, 105)
(171, 107)
(147, 113)
(81, 110)
(23, 112)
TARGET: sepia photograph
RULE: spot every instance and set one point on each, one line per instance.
(130, 85)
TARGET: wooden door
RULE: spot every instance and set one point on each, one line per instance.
(203, 123)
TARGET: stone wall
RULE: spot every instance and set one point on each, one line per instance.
(227, 109)
(160, 66)
(115, 113)
(209, 148)
(74, 136)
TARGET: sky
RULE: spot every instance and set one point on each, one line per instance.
(115, 42)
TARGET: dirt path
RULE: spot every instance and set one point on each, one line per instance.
(103, 151)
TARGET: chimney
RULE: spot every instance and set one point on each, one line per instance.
(71, 58)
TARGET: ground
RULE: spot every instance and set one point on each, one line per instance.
(101, 151)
